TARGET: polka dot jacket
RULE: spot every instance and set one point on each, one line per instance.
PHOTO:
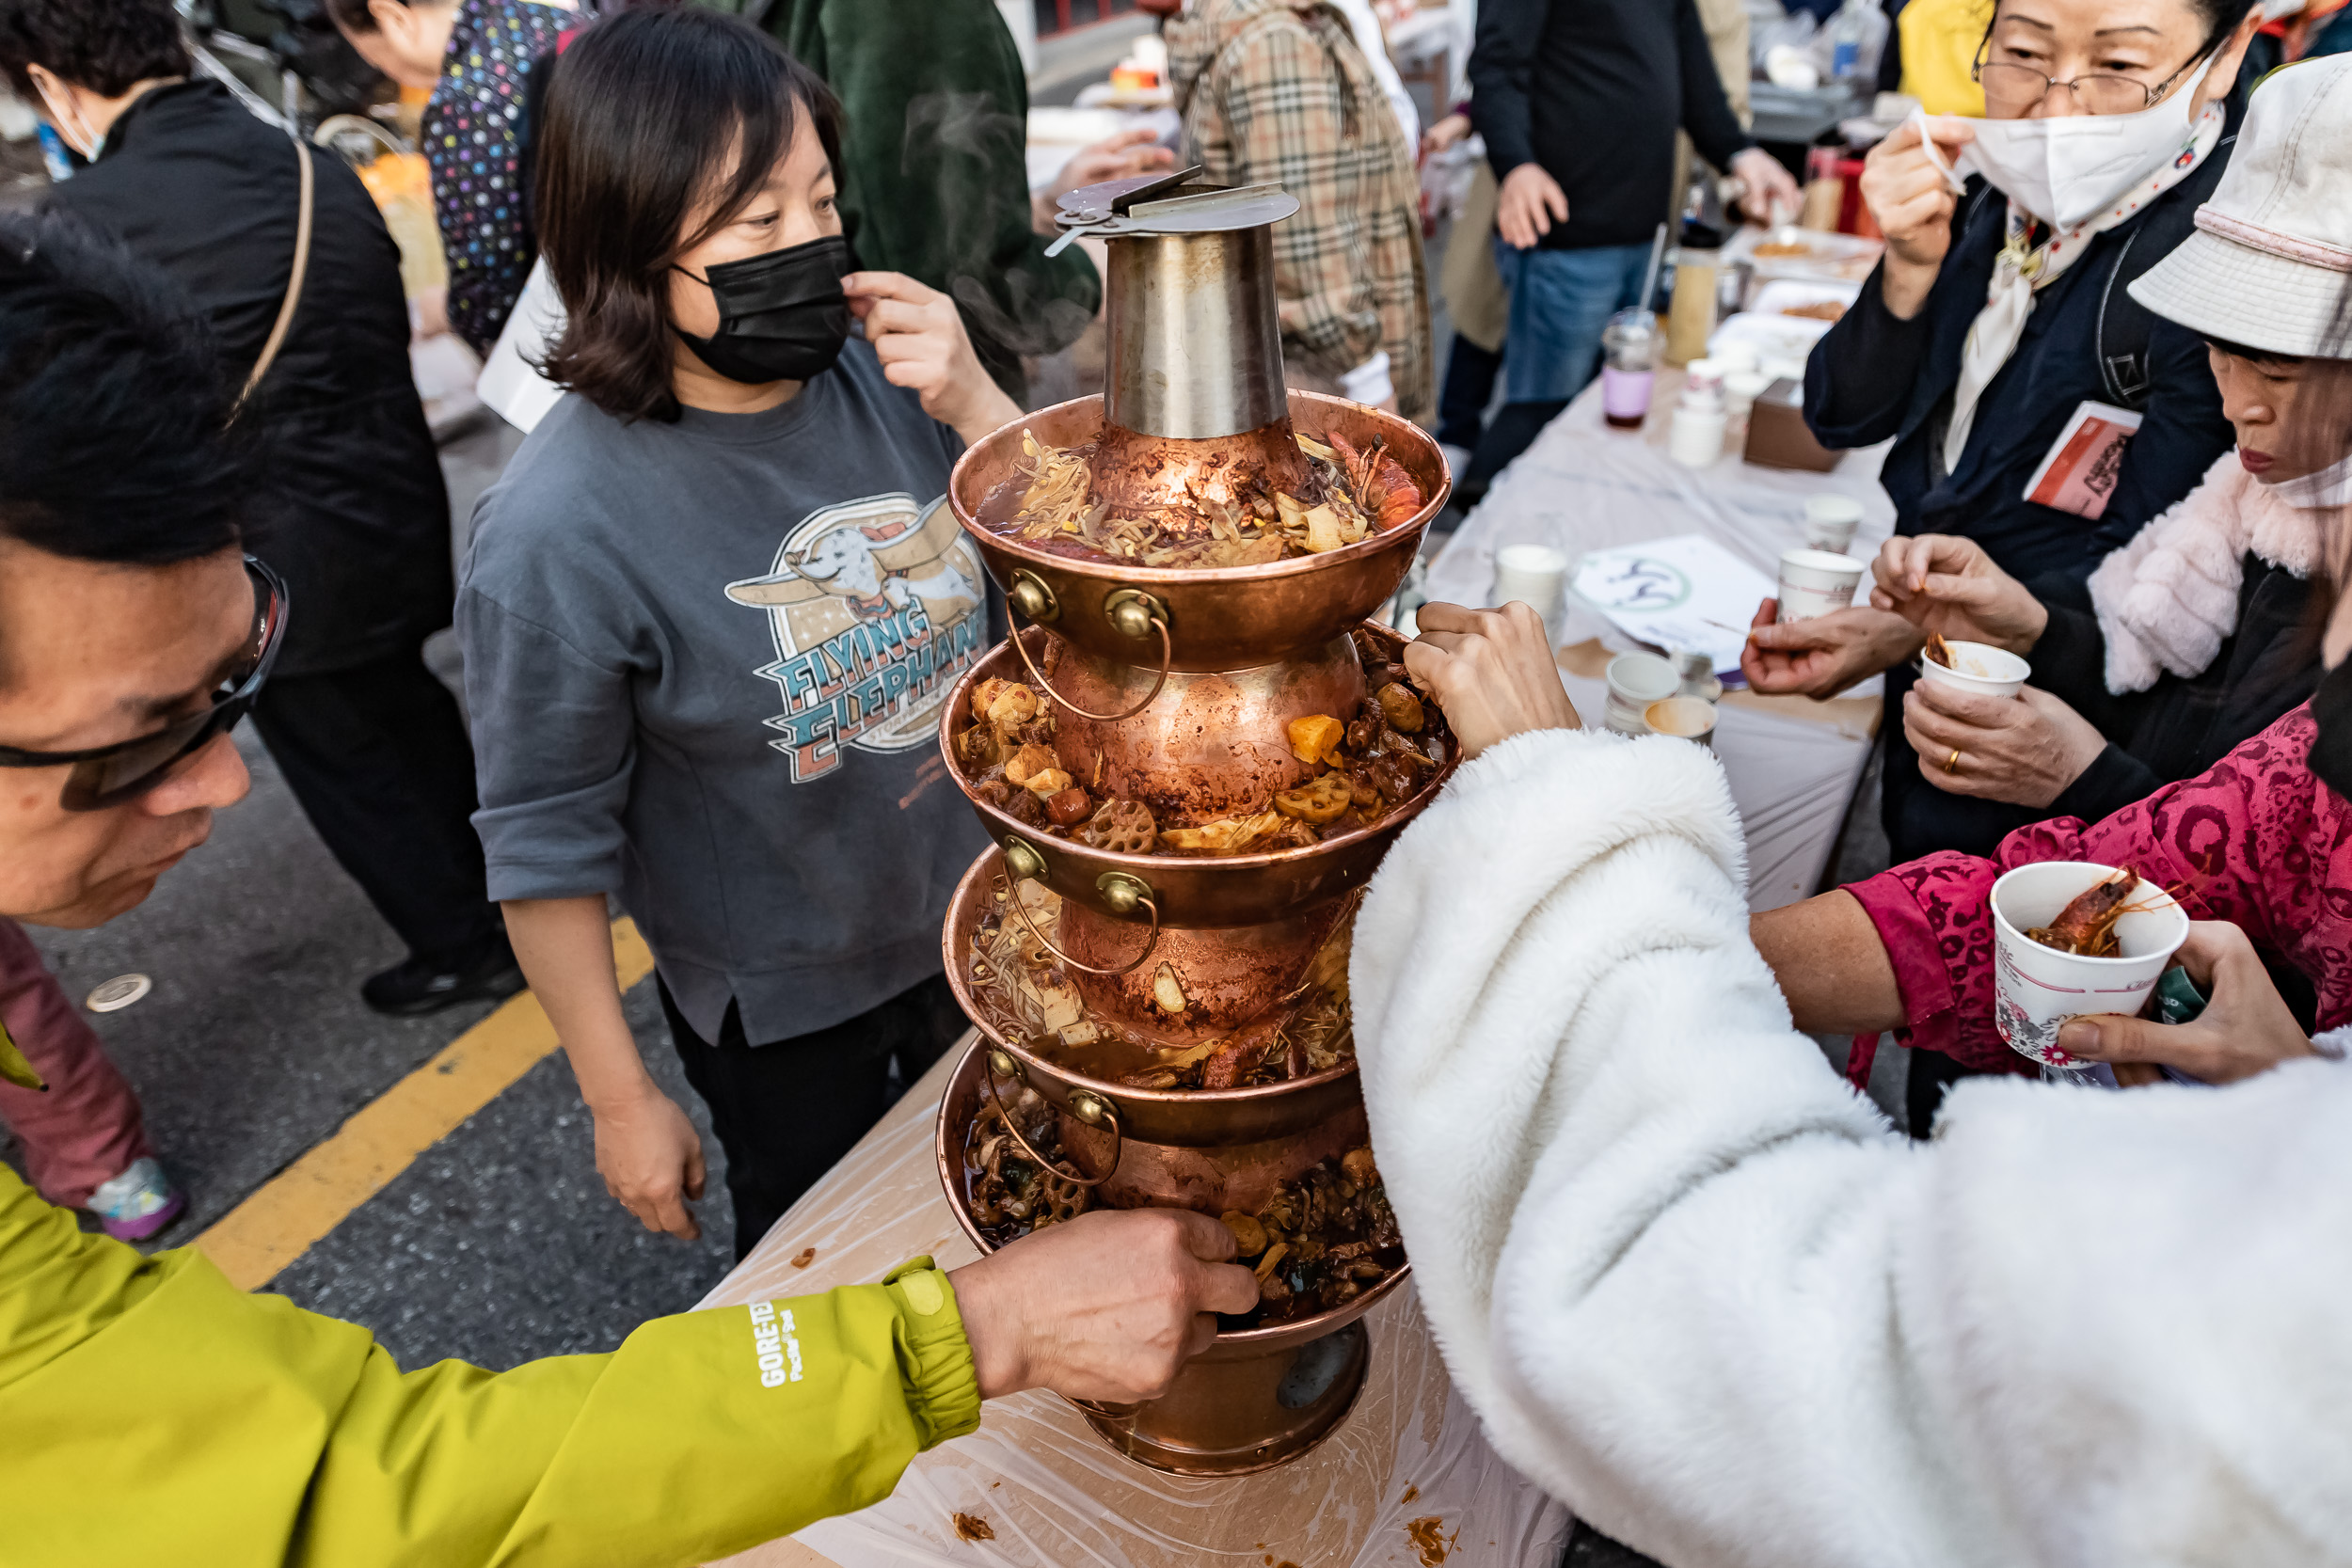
(473, 132)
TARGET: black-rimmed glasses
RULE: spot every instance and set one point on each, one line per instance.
(106, 776)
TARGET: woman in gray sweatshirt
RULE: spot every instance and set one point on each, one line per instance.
(710, 615)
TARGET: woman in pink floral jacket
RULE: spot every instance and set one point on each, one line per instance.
(2256, 841)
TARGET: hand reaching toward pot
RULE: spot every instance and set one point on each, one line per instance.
(1107, 1306)
(1492, 670)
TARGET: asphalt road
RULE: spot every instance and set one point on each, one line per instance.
(500, 1243)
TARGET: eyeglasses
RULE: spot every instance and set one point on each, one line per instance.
(2021, 87)
(107, 776)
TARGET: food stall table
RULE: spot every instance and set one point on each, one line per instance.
(1793, 764)
(1049, 1493)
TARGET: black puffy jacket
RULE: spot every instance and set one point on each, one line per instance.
(356, 519)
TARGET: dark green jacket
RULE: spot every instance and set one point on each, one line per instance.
(935, 110)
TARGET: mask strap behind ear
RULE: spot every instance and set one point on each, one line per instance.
(58, 120)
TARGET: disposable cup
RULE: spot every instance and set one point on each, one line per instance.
(1534, 574)
(1635, 682)
(1690, 717)
(1981, 668)
(1829, 522)
(1741, 390)
(1815, 582)
(2037, 989)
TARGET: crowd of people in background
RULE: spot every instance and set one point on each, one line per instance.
(802, 267)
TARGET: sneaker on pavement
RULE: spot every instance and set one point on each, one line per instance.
(138, 1203)
(1457, 459)
(418, 986)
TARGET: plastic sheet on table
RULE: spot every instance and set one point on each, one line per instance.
(1053, 1495)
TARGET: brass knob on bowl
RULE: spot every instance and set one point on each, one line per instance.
(1088, 1108)
(1032, 598)
(1023, 861)
(1131, 612)
(1002, 1063)
(1120, 893)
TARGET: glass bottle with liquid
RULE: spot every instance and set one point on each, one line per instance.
(1856, 35)
(1628, 366)
(1690, 317)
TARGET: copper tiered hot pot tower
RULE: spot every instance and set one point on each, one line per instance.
(1175, 688)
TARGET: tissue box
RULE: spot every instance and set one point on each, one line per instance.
(1777, 437)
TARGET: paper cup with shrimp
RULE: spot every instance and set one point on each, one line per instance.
(1977, 667)
(2069, 937)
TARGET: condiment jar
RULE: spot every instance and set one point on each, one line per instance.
(1691, 318)
(1696, 437)
(1629, 346)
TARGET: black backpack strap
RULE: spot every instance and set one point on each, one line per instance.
(2120, 333)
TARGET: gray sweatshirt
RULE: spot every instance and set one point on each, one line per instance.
(705, 662)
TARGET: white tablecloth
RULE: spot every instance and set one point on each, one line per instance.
(1792, 763)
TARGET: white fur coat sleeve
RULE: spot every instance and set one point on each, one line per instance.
(1699, 1290)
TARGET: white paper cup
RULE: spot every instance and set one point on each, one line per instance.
(1536, 575)
(1829, 522)
(1987, 671)
(1741, 390)
(1815, 582)
(1635, 682)
(2037, 989)
(1689, 718)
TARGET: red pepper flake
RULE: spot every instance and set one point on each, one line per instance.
(971, 1527)
(1432, 1547)
(803, 1257)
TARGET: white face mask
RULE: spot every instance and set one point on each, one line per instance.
(74, 131)
(2068, 170)
(2330, 486)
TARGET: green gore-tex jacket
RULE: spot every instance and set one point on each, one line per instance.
(151, 1412)
(935, 179)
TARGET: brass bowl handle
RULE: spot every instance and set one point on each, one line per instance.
(1131, 612)
(1091, 1109)
(1122, 893)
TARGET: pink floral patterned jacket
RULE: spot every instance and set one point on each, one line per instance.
(2255, 840)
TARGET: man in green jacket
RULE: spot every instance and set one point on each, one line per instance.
(935, 179)
(150, 1411)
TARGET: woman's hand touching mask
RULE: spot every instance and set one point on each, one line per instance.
(918, 334)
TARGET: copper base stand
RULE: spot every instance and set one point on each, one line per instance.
(1237, 1418)
(1256, 1397)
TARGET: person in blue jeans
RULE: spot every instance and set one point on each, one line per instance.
(1579, 102)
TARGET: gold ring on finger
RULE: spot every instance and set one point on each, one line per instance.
(1951, 764)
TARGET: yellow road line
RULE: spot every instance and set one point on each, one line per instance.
(295, 1208)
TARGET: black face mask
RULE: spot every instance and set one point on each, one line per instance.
(2331, 748)
(782, 316)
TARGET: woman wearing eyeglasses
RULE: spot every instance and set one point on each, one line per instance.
(2000, 324)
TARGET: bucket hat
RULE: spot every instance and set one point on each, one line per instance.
(2271, 259)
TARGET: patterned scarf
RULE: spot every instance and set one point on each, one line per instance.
(2035, 256)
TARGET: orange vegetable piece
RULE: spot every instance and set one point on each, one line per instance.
(1316, 737)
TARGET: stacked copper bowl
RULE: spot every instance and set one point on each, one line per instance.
(1176, 687)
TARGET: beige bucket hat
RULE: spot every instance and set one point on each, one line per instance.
(2271, 259)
